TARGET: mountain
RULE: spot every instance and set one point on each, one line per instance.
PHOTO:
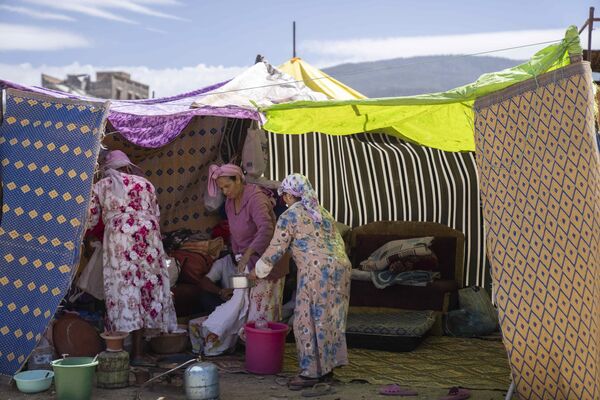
(416, 75)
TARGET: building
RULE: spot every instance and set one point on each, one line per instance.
(108, 85)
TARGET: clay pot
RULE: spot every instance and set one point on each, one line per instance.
(75, 337)
(114, 340)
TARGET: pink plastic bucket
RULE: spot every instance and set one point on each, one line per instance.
(264, 348)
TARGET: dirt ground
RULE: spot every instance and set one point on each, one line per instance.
(244, 386)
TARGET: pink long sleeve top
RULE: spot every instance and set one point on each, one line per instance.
(253, 225)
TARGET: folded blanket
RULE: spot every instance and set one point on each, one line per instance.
(395, 250)
(360, 275)
(383, 279)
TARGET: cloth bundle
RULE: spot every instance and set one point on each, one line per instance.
(395, 251)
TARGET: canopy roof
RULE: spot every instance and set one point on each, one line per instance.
(153, 123)
(440, 120)
(260, 85)
(318, 80)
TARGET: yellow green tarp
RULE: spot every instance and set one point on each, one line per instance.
(439, 120)
(318, 80)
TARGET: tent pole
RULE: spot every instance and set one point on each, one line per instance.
(590, 29)
(294, 39)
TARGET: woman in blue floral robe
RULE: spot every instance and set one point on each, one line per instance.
(323, 280)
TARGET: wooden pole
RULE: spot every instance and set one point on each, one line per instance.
(590, 29)
(294, 39)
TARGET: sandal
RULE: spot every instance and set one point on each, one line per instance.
(299, 382)
(396, 390)
(320, 389)
(456, 393)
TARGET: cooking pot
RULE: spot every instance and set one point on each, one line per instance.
(240, 281)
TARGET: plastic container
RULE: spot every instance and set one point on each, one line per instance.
(113, 369)
(34, 381)
(73, 377)
(41, 357)
(265, 347)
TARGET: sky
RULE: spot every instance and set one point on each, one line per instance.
(180, 45)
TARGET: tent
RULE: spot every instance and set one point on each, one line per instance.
(318, 80)
(539, 176)
(418, 183)
(49, 145)
(443, 121)
(439, 120)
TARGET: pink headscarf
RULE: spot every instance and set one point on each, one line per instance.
(214, 172)
(112, 162)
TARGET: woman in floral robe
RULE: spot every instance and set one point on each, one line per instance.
(323, 287)
(136, 282)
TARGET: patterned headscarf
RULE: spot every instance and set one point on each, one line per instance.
(112, 162)
(214, 172)
(298, 185)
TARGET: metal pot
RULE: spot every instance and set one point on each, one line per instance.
(201, 381)
(240, 281)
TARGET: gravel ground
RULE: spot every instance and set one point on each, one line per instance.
(244, 386)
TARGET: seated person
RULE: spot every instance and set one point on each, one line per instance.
(216, 284)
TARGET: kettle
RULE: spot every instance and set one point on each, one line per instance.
(201, 381)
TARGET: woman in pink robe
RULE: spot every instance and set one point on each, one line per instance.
(252, 223)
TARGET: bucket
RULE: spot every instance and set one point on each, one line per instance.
(264, 348)
(73, 377)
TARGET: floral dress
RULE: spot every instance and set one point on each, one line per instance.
(136, 282)
(323, 287)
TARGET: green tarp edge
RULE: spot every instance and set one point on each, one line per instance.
(439, 120)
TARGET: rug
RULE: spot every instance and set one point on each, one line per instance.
(439, 362)
(48, 151)
(540, 187)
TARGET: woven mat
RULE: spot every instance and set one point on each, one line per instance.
(439, 362)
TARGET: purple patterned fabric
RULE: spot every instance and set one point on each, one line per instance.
(152, 123)
(299, 186)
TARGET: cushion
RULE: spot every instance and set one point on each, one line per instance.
(388, 322)
(193, 265)
(212, 247)
(430, 297)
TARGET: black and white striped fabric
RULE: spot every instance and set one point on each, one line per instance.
(375, 177)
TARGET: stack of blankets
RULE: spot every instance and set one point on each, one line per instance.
(400, 262)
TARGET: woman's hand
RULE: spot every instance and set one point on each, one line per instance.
(252, 276)
(225, 294)
(241, 266)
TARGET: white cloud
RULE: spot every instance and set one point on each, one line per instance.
(165, 82)
(370, 49)
(36, 14)
(82, 8)
(110, 9)
(25, 37)
(155, 30)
